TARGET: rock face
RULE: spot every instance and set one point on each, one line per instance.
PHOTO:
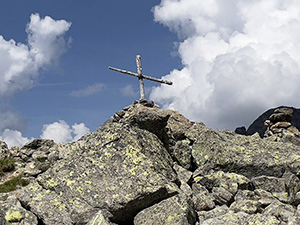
(151, 166)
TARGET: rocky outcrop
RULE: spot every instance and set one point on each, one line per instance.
(151, 166)
(259, 126)
(279, 126)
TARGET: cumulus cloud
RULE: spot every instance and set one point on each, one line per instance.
(239, 58)
(62, 132)
(59, 131)
(20, 64)
(88, 91)
(14, 138)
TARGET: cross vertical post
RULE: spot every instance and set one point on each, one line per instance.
(141, 76)
(140, 73)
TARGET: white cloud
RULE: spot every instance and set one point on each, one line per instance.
(240, 58)
(88, 91)
(20, 64)
(128, 91)
(61, 131)
(14, 138)
(79, 130)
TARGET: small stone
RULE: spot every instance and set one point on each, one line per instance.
(247, 206)
(221, 195)
(203, 201)
(120, 113)
(281, 125)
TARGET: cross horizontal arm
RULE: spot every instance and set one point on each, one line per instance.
(143, 76)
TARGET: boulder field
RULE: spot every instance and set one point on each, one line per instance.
(148, 166)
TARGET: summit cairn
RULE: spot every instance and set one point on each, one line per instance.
(279, 124)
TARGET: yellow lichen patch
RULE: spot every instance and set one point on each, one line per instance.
(70, 182)
(110, 145)
(145, 174)
(133, 170)
(80, 190)
(51, 183)
(198, 179)
(107, 154)
(88, 182)
(115, 196)
(39, 196)
(58, 204)
(173, 218)
(128, 197)
(13, 216)
(34, 187)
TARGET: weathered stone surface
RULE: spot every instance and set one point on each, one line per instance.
(183, 153)
(99, 219)
(270, 184)
(121, 168)
(247, 155)
(172, 211)
(241, 218)
(204, 201)
(280, 210)
(152, 166)
(11, 212)
(247, 206)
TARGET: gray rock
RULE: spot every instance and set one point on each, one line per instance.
(250, 156)
(121, 168)
(221, 195)
(270, 184)
(12, 212)
(99, 219)
(183, 153)
(280, 210)
(247, 206)
(152, 166)
(176, 210)
(203, 201)
(4, 152)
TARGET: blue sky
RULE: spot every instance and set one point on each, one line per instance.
(103, 33)
(229, 61)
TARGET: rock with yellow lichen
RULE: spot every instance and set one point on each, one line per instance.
(147, 165)
(172, 211)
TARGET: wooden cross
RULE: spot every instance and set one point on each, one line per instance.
(140, 76)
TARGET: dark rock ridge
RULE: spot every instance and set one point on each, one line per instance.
(149, 166)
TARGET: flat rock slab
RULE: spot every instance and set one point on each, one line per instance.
(250, 156)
